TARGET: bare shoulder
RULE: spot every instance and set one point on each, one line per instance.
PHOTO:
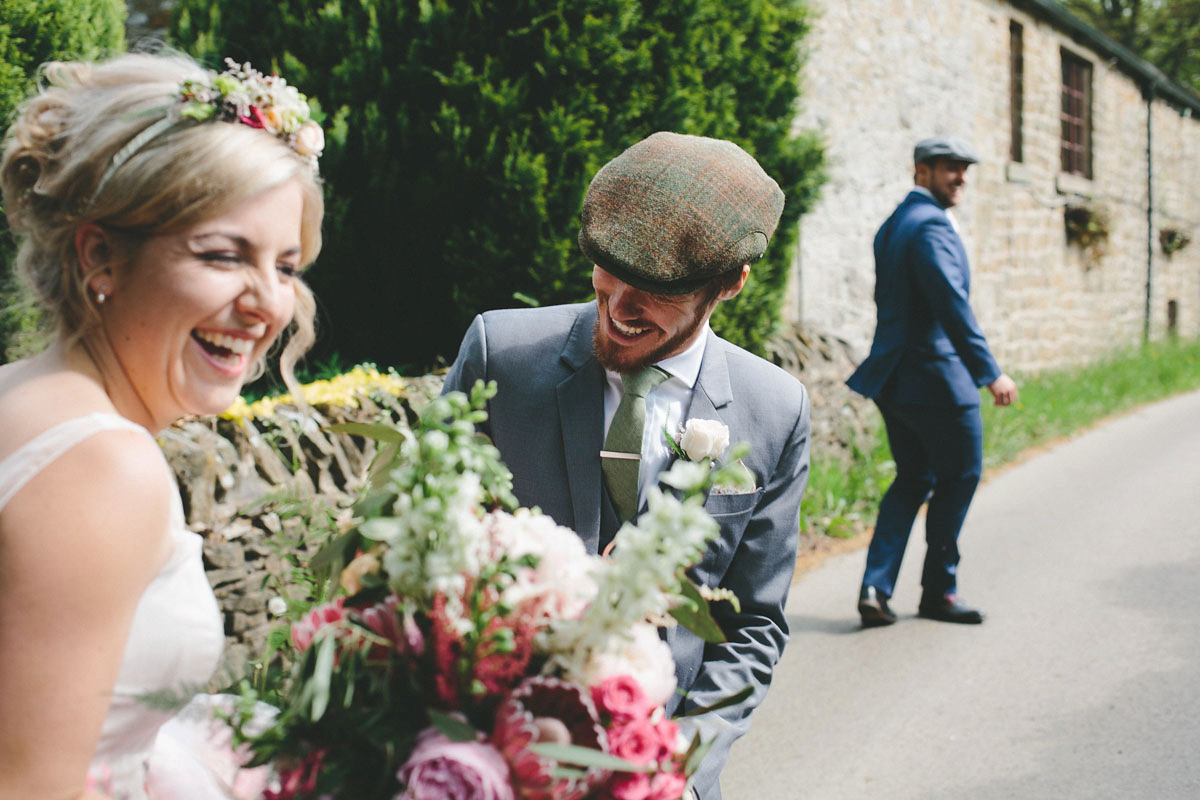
(34, 398)
(101, 509)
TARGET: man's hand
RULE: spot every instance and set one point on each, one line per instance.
(1004, 390)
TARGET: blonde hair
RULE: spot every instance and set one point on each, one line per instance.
(57, 174)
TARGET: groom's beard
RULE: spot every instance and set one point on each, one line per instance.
(615, 357)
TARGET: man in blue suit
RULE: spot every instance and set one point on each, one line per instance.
(671, 226)
(926, 364)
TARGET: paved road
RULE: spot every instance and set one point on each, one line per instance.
(1083, 682)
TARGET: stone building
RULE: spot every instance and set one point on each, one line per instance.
(1070, 126)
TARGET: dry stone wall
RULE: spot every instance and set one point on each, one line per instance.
(244, 483)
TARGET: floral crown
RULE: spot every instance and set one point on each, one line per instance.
(240, 94)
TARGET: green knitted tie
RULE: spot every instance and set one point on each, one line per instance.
(625, 436)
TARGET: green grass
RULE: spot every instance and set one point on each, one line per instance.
(844, 491)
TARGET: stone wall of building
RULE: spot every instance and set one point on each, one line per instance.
(882, 74)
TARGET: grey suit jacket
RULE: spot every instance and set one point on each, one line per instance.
(547, 419)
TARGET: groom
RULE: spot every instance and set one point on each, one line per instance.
(671, 226)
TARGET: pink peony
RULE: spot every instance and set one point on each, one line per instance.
(441, 769)
(561, 585)
(622, 698)
(643, 655)
(305, 628)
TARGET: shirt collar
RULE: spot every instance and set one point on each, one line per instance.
(929, 194)
(686, 365)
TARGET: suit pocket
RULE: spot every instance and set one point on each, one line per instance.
(731, 512)
(731, 505)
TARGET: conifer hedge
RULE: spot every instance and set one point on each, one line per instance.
(463, 134)
(31, 33)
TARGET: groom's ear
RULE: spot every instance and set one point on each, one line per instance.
(733, 289)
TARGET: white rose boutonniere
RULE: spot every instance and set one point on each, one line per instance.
(700, 440)
(704, 442)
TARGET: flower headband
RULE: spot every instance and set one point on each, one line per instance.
(243, 95)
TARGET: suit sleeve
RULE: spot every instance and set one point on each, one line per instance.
(470, 365)
(942, 279)
(760, 574)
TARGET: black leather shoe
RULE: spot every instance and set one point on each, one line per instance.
(949, 609)
(873, 608)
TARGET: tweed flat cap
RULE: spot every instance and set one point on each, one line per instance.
(675, 211)
(944, 147)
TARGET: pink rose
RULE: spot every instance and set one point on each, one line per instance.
(309, 140)
(621, 696)
(440, 769)
(642, 786)
(640, 741)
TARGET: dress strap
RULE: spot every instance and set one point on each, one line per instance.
(39, 452)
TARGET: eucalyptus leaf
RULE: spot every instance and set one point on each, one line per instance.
(322, 677)
(380, 432)
(587, 757)
(696, 616)
(453, 728)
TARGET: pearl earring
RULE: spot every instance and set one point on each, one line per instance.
(101, 297)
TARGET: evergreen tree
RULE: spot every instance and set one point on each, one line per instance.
(31, 33)
(1164, 32)
(463, 135)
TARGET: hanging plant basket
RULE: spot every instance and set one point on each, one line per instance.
(1172, 240)
(1087, 228)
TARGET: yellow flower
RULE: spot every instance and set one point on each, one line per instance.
(346, 390)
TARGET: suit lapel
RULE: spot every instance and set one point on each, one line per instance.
(581, 409)
(713, 390)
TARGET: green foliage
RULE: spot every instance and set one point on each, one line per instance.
(1164, 32)
(463, 136)
(1064, 402)
(843, 492)
(31, 33)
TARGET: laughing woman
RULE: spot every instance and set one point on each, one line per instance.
(164, 214)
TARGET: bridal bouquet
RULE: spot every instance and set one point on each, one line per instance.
(473, 650)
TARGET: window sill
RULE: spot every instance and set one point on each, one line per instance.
(1017, 172)
(1066, 183)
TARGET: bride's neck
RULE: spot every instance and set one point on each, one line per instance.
(94, 360)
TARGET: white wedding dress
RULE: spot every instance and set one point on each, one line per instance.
(160, 739)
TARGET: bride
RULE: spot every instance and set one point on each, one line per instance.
(164, 214)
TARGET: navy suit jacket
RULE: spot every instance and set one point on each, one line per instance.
(547, 419)
(928, 348)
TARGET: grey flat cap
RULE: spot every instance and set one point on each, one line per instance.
(673, 212)
(944, 147)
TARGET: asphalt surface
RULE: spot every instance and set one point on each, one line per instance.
(1083, 681)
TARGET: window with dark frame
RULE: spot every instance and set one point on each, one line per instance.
(1016, 84)
(1076, 115)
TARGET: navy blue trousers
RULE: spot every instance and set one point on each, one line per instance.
(938, 452)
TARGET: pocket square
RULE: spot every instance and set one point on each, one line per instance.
(744, 485)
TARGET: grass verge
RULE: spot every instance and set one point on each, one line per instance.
(843, 493)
